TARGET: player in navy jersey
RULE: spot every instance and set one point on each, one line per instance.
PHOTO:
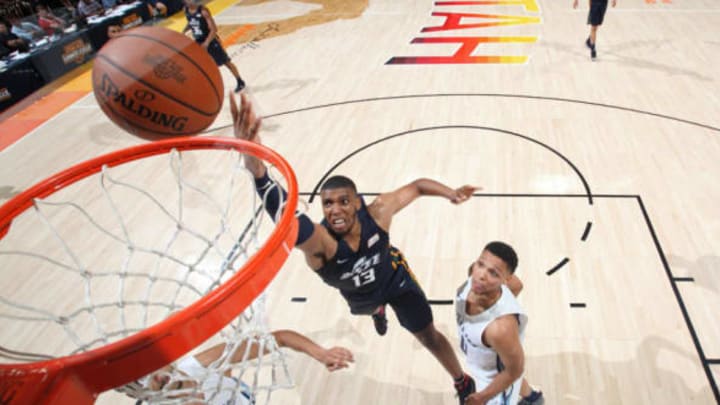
(204, 30)
(351, 249)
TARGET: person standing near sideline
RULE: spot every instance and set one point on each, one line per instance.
(204, 30)
(596, 15)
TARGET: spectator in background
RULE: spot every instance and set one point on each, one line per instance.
(156, 8)
(90, 8)
(50, 23)
(4, 51)
(26, 30)
(10, 40)
(15, 8)
(109, 4)
(113, 31)
(67, 12)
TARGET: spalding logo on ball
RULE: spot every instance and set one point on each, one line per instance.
(154, 83)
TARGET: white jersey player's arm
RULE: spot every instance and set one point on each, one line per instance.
(503, 336)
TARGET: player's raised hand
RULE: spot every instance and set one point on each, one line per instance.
(463, 194)
(246, 124)
(337, 358)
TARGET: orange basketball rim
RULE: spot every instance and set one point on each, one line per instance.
(79, 378)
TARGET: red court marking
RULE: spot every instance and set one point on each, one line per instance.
(235, 35)
(34, 115)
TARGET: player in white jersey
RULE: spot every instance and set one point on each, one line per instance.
(491, 325)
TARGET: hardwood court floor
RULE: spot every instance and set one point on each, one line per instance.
(602, 174)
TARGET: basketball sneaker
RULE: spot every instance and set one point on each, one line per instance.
(240, 85)
(591, 46)
(380, 321)
(464, 388)
(535, 398)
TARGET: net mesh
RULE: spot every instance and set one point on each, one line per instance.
(124, 249)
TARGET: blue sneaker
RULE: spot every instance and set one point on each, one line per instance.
(535, 398)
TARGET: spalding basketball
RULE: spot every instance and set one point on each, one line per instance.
(154, 82)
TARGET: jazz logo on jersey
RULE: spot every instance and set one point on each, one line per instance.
(363, 271)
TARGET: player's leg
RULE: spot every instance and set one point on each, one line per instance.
(221, 58)
(240, 83)
(414, 313)
(595, 20)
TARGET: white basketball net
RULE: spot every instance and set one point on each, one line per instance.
(121, 250)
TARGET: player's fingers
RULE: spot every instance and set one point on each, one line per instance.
(251, 117)
(233, 106)
(246, 118)
(255, 128)
(240, 120)
(336, 362)
(243, 101)
(343, 353)
(246, 109)
(338, 365)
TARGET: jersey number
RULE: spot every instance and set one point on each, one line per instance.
(364, 278)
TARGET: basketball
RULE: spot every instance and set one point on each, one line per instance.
(155, 83)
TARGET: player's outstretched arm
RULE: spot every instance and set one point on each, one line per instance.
(312, 239)
(246, 126)
(387, 204)
(335, 358)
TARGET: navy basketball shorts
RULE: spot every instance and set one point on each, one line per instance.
(217, 52)
(403, 293)
(597, 12)
(407, 299)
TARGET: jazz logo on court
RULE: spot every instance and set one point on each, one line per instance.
(481, 25)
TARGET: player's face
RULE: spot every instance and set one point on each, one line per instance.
(340, 207)
(489, 272)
